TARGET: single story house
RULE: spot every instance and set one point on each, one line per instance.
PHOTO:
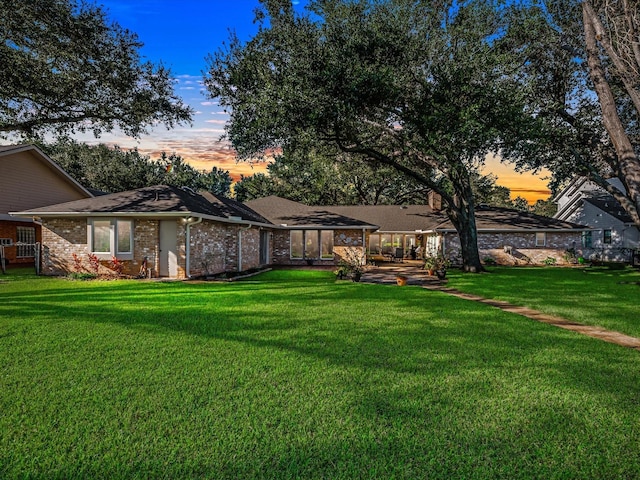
(612, 235)
(29, 179)
(181, 234)
(506, 236)
(176, 232)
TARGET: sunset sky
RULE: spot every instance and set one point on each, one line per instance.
(180, 34)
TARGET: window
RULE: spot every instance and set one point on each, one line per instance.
(297, 244)
(541, 239)
(6, 241)
(586, 239)
(326, 244)
(313, 244)
(385, 240)
(606, 236)
(26, 235)
(111, 237)
(374, 244)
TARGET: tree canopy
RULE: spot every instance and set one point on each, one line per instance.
(110, 170)
(427, 88)
(67, 68)
(583, 71)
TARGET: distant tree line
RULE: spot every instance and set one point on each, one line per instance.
(112, 169)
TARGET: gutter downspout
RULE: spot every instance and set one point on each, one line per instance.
(189, 222)
(240, 230)
(364, 247)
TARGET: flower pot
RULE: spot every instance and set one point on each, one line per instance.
(402, 281)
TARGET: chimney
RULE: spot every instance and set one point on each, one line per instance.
(435, 201)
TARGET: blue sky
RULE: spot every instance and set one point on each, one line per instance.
(180, 34)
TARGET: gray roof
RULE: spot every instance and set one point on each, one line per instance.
(159, 199)
(395, 218)
(496, 218)
(608, 204)
(283, 212)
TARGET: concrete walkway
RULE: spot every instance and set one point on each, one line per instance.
(387, 273)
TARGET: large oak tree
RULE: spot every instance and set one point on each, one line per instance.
(65, 68)
(428, 88)
(584, 72)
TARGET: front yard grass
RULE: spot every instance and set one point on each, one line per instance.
(292, 375)
(597, 296)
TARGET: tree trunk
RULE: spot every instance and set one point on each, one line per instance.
(629, 164)
(461, 212)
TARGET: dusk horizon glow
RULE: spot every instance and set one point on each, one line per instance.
(181, 35)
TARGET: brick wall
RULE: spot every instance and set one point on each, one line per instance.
(61, 238)
(146, 239)
(521, 247)
(250, 248)
(214, 248)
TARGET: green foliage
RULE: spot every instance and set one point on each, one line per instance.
(588, 104)
(428, 90)
(545, 208)
(316, 379)
(66, 68)
(330, 178)
(549, 261)
(107, 169)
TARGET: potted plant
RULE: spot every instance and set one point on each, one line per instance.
(430, 265)
(437, 265)
(350, 265)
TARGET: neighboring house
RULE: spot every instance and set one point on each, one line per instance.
(29, 179)
(612, 235)
(183, 234)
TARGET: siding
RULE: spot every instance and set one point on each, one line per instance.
(27, 181)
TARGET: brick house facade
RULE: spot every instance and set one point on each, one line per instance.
(182, 234)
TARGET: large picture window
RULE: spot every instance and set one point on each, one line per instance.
(111, 237)
(312, 244)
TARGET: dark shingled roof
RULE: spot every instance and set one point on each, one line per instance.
(395, 218)
(496, 218)
(281, 211)
(608, 204)
(156, 199)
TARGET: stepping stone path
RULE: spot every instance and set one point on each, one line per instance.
(416, 276)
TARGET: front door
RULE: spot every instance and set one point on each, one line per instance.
(168, 248)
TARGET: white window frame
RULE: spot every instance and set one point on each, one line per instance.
(113, 238)
(541, 239)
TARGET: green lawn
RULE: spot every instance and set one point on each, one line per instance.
(292, 375)
(596, 296)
